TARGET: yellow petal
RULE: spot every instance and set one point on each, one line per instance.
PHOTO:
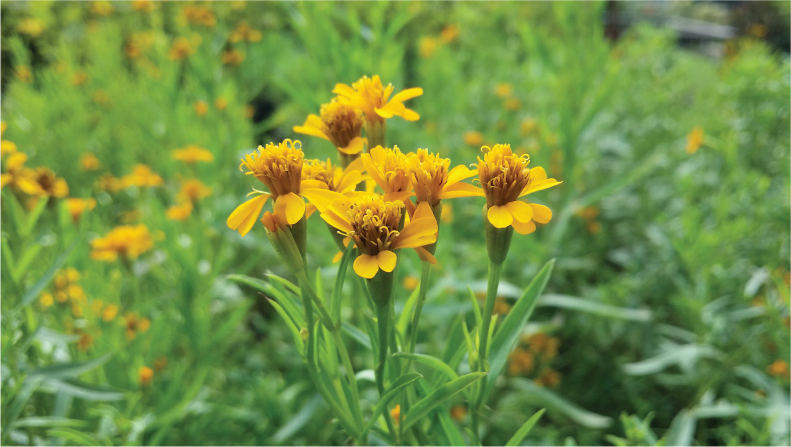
(290, 208)
(384, 113)
(344, 90)
(244, 216)
(312, 126)
(423, 210)
(387, 260)
(336, 221)
(524, 227)
(458, 174)
(521, 211)
(309, 210)
(424, 255)
(541, 214)
(366, 266)
(312, 184)
(349, 181)
(355, 146)
(410, 115)
(499, 216)
(322, 198)
(407, 94)
(460, 190)
(337, 258)
(417, 233)
(368, 162)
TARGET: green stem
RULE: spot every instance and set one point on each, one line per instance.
(383, 322)
(425, 275)
(483, 335)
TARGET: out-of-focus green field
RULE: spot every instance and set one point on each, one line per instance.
(666, 319)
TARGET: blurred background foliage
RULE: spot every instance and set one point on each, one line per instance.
(666, 320)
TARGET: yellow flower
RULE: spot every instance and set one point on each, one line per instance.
(3, 127)
(146, 375)
(432, 180)
(243, 31)
(24, 74)
(473, 138)
(142, 176)
(221, 103)
(180, 49)
(201, 107)
(370, 96)
(778, 369)
(373, 225)
(110, 183)
(135, 325)
(46, 300)
(110, 312)
(89, 162)
(199, 15)
(101, 8)
(389, 168)
(504, 90)
(7, 147)
(79, 78)
(410, 282)
(143, 5)
(31, 27)
(450, 33)
(279, 167)
(180, 212)
(192, 190)
(85, 342)
(232, 57)
(193, 154)
(504, 178)
(49, 184)
(428, 46)
(396, 413)
(78, 206)
(127, 241)
(18, 176)
(694, 140)
(339, 123)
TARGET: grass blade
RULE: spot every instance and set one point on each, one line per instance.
(525, 429)
(441, 394)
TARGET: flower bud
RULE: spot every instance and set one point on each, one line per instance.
(498, 240)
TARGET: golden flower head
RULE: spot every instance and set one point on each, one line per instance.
(200, 107)
(243, 31)
(146, 375)
(458, 412)
(79, 78)
(142, 176)
(127, 241)
(50, 185)
(101, 8)
(279, 167)
(389, 168)
(395, 413)
(193, 190)
(232, 57)
(450, 33)
(181, 48)
(473, 138)
(89, 162)
(193, 154)
(46, 300)
(373, 98)
(778, 369)
(85, 341)
(110, 312)
(433, 181)
(695, 140)
(504, 89)
(340, 123)
(179, 212)
(199, 15)
(504, 178)
(135, 324)
(7, 147)
(77, 207)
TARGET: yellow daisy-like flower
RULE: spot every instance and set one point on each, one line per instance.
(389, 168)
(320, 175)
(78, 206)
(339, 123)
(127, 241)
(373, 225)
(142, 176)
(433, 181)
(279, 167)
(193, 154)
(373, 98)
(192, 190)
(18, 176)
(7, 147)
(89, 162)
(180, 49)
(504, 178)
(179, 212)
(695, 140)
(49, 184)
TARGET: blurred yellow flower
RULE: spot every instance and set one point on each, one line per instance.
(110, 312)
(180, 49)
(373, 98)
(49, 184)
(396, 413)
(3, 127)
(180, 212)
(85, 342)
(143, 5)
(146, 375)
(504, 90)
(193, 154)
(127, 241)
(512, 104)
(101, 97)
(46, 300)
(139, 43)
(192, 190)
(758, 30)
(410, 282)
(501, 307)
(232, 57)
(221, 103)
(135, 325)
(450, 33)
(594, 227)
(520, 362)
(7, 147)
(79, 78)
(199, 15)
(473, 138)
(89, 162)
(78, 206)
(339, 123)
(549, 379)
(77, 311)
(24, 74)
(458, 412)
(694, 140)
(110, 183)
(101, 8)
(243, 31)
(504, 178)
(428, 46)
(142, 176)
(201, 107)
(31, 27)
(778, 369)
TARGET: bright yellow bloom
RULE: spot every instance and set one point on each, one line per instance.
(432, 180)
(146, 375)
(221, 103)
(370, 96)
(18, 176)
(450, 33)
(428, 46)
(193, 154)
(179, 212)
(389, 168)
(24, 74)
(373, 225)
(778, 369)
(142, 176)
(127, 241)
(504, 178)
(89, 162)
(473, 138)
(232, 57)
(339, 123)
(101, 8)
(7, 147)
(320, 175)
(143, 5)
(279, 167)
(201, 107)
(49, 184)
(243, 31)
(110, 312)
(78, 206)
(694, 140)
(199, 15)
(31, 27)
(193, 190)
(46, 300)
(180, 49)
(504, 90)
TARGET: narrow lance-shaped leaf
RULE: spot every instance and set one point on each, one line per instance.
(525, 429)
(441, 394)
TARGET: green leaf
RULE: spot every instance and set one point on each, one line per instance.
(441, 394)
(299, 420)
(288, 301)
(76, 437)
(507, 335)
(522, 432)
(681, 429)
(34, 291)
(603, 310)
(395, 388)
(48, 421)
(476, 307)
(406, 313)
(289, 285)
(544, 397)
(294, 330)
(85, 391)
(73, 369)
(433, 362)
(232, 321)
(356, 334)
(337, 291)
(33, 217)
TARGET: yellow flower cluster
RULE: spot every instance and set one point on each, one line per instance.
(533, 355)
(243, 32)
(199, 15)
(38, 182)
(127, 241)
